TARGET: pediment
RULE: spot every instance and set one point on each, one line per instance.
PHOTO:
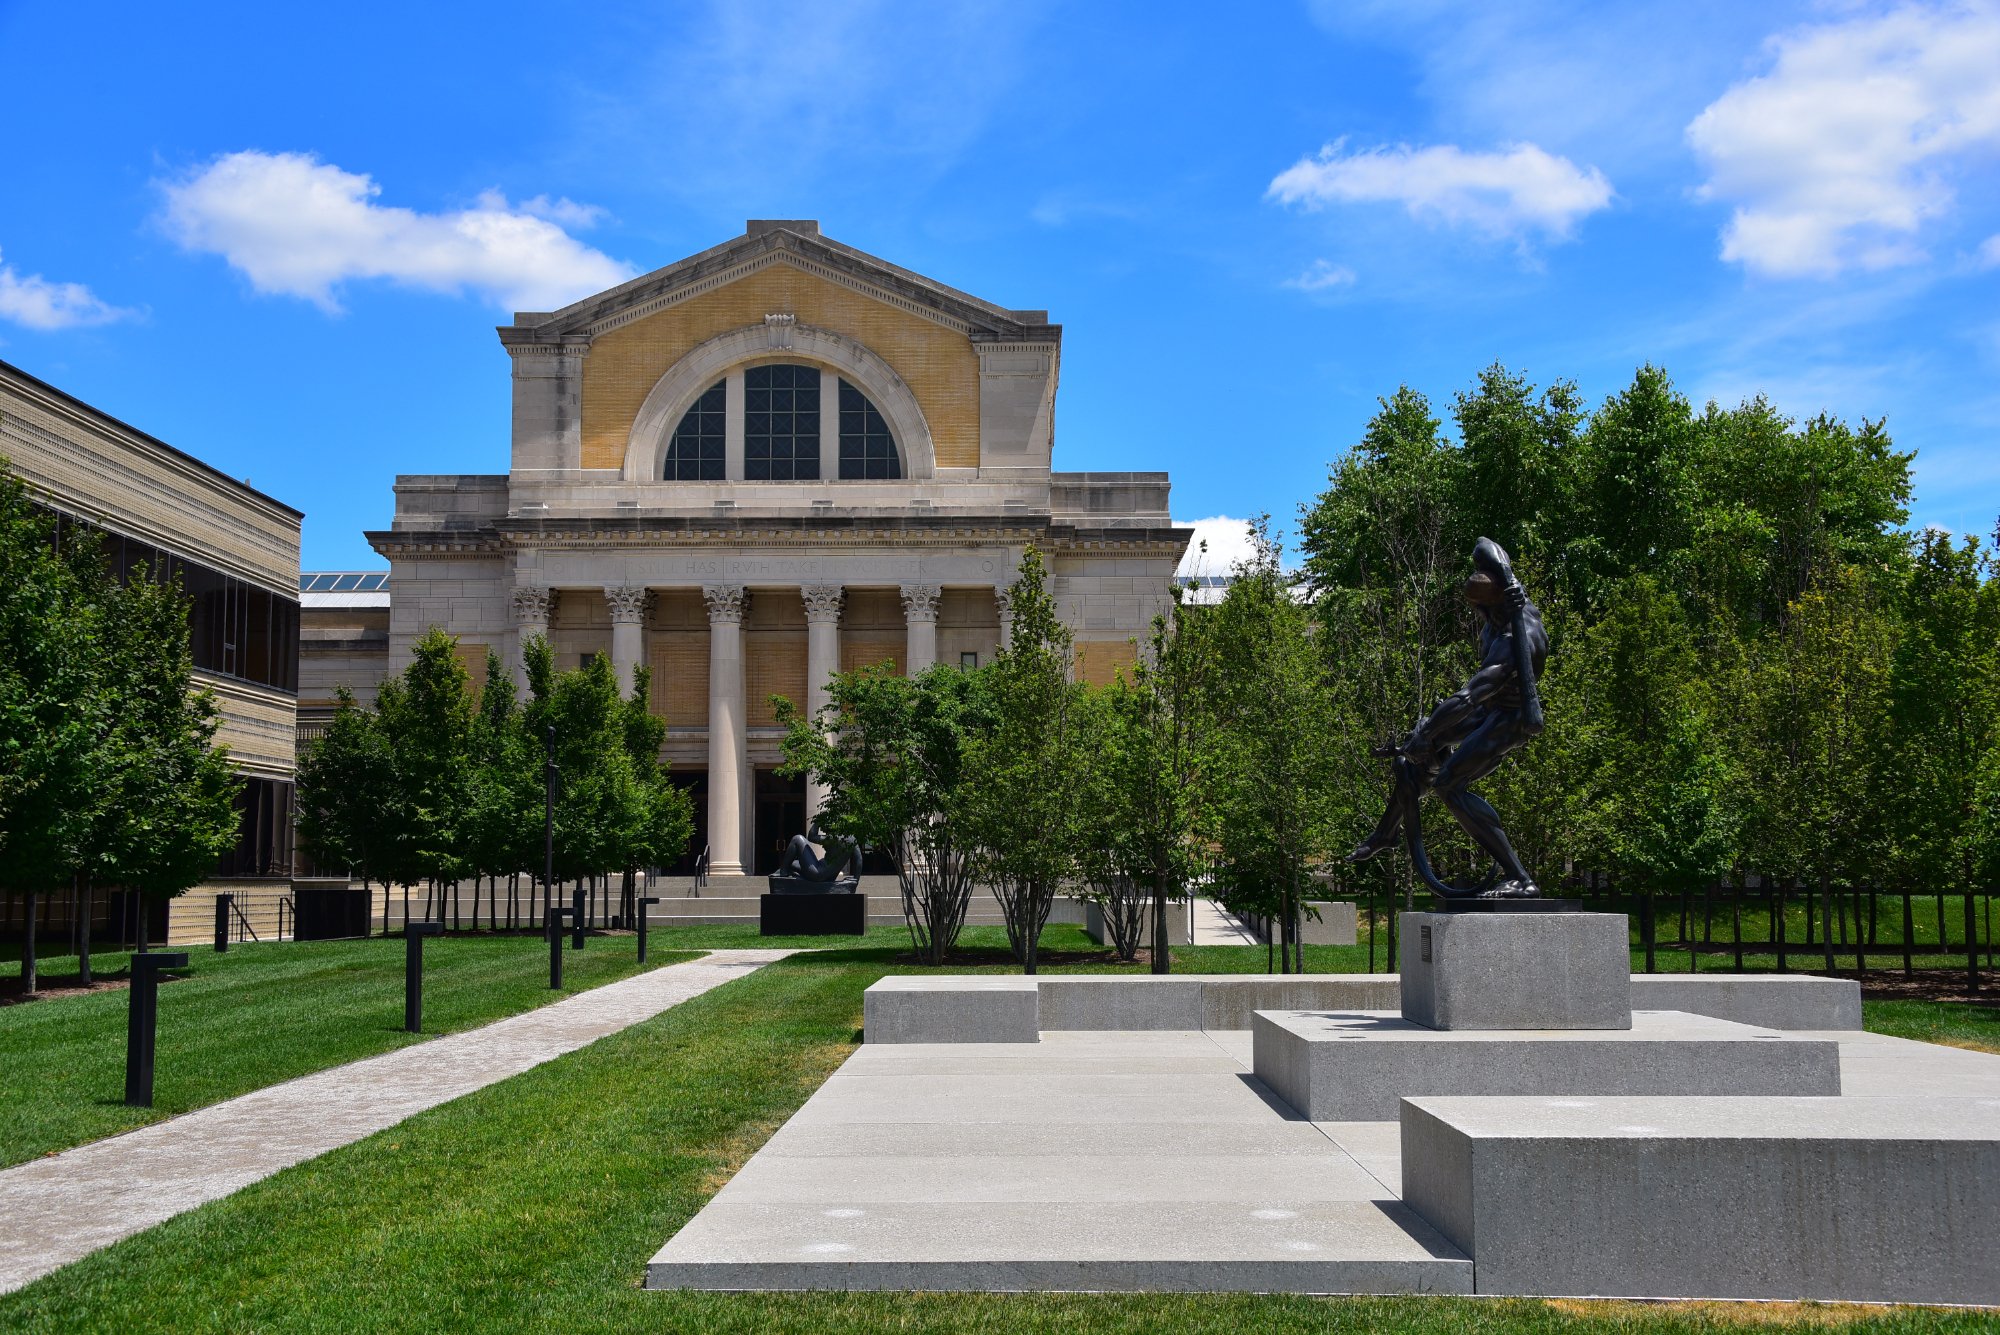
(763, 244)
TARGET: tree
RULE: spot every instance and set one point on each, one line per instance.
(891, 752)
(1023, 800)
(425, 715)
(1272, 799)
(50, 710)
(166, 808)
(660, 820)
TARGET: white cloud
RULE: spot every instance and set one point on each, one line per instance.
(1219, 545)
(1511, 193)
(301, 227)
(1321, 276)
(1989, 252)
(34, 302)
(1839, 155)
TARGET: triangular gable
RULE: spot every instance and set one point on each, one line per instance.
(796, 243)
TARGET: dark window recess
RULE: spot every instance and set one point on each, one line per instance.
(263, 831)
(696, 451)
(781, 423)
(235, 627)
(867, 450)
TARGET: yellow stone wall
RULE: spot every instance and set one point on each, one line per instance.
(1100, 662)
(937, 363)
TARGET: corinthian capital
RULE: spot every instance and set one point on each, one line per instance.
(920, 601)
(628, 605)
(533, 606)
(726, 603)
(822, 601)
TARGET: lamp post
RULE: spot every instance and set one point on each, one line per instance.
(413, 972)
(644, 905)
(142, 1022)
(556, 916)
(549, 916)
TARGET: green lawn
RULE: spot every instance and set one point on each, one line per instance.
(533, 1205)
(1960, 1024)
(257, 1015)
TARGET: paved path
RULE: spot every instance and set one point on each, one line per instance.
(1214, 925)
(59, 1209)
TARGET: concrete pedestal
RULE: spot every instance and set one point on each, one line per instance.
(1864, 1199)
(1516, 970)
(1356, 1066)
(812, 915)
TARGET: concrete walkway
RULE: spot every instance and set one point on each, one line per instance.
(1214, 925)
(62, 1208)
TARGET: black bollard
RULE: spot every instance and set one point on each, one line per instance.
(577, 921)
(142, 1021)
(223, 904)
(556, 946)
(413, 972)
(644, 904)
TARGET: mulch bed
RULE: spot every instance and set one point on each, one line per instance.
(61, 985)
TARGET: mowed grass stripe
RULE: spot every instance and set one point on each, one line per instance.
(261, 1014)
(533, 1205)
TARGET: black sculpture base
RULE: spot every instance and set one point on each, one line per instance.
(812, 915)
(1440, 904)
(782, 884)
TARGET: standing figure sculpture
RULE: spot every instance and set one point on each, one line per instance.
(1470, 732)
(804, 871)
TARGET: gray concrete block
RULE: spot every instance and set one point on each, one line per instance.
(1354, 1067)
(1516, 970)
(1177, 924)
(1861, 1199)
(1335, 925)
(1084, 1001)
(1775, 1001)
(951, 1009)
(1229, 1000)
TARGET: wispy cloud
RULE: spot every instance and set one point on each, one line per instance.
(1513, 192)
(1844, 152)
(1322, 276)
(296, 226)
(1219, 545)
(1989, 252)
(35, 302)
(765, 104)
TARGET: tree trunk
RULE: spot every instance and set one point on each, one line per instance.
(1736, 918)
(1162, 955)
(1778, 923)
(1909, 930)
(28, 948)
(83, 939)
(1826, 917)
(1971, 932)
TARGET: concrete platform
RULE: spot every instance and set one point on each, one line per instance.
(1129, 1161)
(1772, 1000)
(948, 1008)
(1869, 1199)
(1356, 1066)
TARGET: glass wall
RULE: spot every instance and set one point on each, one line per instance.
(238, 629)
(263, 831)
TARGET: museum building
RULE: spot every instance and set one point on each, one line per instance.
(773, 460)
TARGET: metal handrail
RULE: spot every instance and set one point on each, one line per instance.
(242, 922)
(701, 870)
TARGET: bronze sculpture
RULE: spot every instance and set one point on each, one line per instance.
(804, 872)
(1469, 733)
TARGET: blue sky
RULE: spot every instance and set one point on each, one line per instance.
(279, 236)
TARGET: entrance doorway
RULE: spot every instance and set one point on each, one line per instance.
(781, 813)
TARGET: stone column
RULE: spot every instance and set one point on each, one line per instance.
(728, 759)
(920, 604)
(532, 609)
(628, 633)
(822, 661)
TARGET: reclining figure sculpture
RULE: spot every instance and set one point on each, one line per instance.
(804, 872)
(1470, 732)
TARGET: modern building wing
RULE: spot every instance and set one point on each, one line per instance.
(236, 552)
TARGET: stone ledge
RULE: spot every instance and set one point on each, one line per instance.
(1356, 1066)
(1854, 1199)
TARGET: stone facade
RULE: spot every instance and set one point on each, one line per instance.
(239, 547)
(733, 589)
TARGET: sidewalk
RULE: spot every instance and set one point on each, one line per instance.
(1215, 926)
(62, 1208)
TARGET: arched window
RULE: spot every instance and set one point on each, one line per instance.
(781, 423)
(696, 453)
(867, 450)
